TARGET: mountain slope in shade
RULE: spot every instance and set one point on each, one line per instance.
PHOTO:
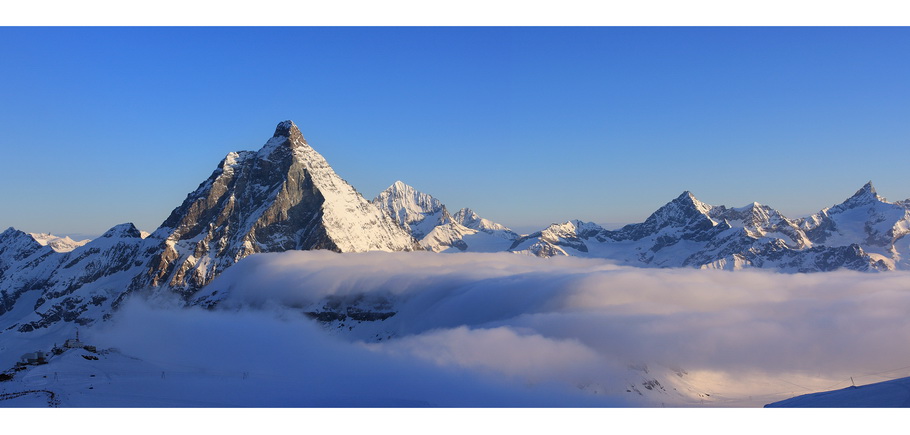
(888, 394)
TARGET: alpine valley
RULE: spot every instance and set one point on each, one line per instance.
(286, 197)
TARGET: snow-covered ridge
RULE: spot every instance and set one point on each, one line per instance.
(415, 211)
(428, 221)
(57, 243)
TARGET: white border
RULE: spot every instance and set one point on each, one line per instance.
(455, 13)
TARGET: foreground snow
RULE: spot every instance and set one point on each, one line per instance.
(888, 394)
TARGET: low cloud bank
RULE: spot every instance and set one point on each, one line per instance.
(291, 361)
(522, 326)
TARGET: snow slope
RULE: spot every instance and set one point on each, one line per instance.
(888, 394)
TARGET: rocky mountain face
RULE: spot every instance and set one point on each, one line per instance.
(284, 196)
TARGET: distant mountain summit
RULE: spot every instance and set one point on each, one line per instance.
(416, 211)
(428, 220)
(57, 243)
(866, 219)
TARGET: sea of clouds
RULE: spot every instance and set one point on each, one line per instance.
(513, 330)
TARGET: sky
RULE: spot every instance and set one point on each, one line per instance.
(527, 126)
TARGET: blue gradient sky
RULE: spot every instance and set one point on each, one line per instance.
(527, 126)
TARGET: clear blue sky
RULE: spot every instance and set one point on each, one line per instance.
(528, 126)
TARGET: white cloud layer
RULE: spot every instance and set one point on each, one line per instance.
(511, 330)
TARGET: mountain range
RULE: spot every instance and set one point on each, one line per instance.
(285, 196)
(865, 233)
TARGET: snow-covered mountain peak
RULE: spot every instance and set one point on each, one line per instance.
(865, 195)
(679, 212)
(12, 236)
(10, 232)
(754, 209)
(572, 227)
(288, 129)
(414, 210)
(127, 230)
(400, 186)
(405, 192)
(687, 199)
(57, 243)
(287, 143)
(470, 219)
(465, 214)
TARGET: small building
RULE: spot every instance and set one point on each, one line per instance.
(73, 343)
(33, 358)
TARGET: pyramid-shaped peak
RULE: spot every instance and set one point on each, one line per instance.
(127, 230)
(400, 189)
(689, 200)
(400, 186)
(864, 194)
(756, 206)
(286, 129)
(467, 212)
(287, 135)
(867, 189)
(399, 194)
(686, 196)
(12, 233)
